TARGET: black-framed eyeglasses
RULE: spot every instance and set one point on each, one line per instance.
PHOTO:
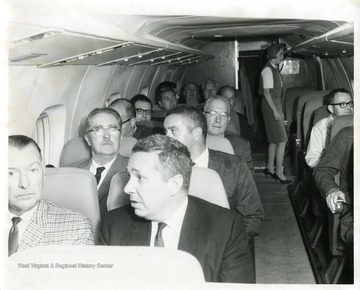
(344, 104)
(142, 111)
(100, 130)
(214, 114)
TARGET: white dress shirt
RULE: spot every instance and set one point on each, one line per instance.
(171, 233)
(203, 159)
(107, 166)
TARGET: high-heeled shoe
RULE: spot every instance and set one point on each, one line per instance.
(267, 172)
(282, 181)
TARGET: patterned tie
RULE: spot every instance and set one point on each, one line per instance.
(159, 242)
(99, 170)
(14, 236)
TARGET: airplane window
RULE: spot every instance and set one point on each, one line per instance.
(291, 67)
(49, 133)
(41, 135)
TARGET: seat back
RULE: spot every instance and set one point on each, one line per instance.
(114, 267)
(308, 117)
(290, 101)
(300, 109)
(117, 197)
(219, 143)
(75, 189)
(206, 184)
(340, 123)
(77, 149)
(320, 113)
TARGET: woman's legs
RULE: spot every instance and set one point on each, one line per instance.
(271, 157)
(279, 159)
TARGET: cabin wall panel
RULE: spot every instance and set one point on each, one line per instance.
(222, 68)
(134, 84)
(148, 78)
(158, 77)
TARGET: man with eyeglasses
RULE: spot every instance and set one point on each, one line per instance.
(339, 103)
(143, 108)
(127, 113)
(103, 135)
(217, 114)
(187, 124)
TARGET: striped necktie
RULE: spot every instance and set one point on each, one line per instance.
(14, 236)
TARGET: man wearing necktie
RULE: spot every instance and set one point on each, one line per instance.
(161, 214)
(34, 221)
(103, 135)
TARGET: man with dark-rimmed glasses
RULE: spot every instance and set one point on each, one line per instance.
(103, 134)
(339, 102)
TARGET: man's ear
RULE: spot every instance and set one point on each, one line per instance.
(330, 108)
(87, 140)
(176, 183)
(160, 104)
(197, 132)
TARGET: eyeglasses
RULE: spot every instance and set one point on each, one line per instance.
(100, 131)
(344, 104)
(214, 114)
(142, 111)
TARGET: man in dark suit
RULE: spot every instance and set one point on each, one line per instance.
(162, 214)
(188, 125)
(34, 221)
(217, 113)
(103, 135)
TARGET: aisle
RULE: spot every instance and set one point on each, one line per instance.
(280, 255)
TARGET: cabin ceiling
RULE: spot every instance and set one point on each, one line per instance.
(138, 39)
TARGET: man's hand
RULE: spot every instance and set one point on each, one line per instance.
(331, 199)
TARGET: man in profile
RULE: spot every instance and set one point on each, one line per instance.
(162, 214)
(127, 113)
(187, 124)
(217, 113)
(103, 135)
(34, 221)
(339, 102)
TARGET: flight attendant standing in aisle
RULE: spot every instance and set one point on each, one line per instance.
(271, 87)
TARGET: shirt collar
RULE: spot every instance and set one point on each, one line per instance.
(26, 216)
(176, 219)
(203, 159)
(107, 165)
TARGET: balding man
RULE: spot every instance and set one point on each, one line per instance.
(209, 88)
(217, 113)
(239, 120)
(127, 113)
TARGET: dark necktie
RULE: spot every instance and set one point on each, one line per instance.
(159, 242)
(99, 170)
(14, 235)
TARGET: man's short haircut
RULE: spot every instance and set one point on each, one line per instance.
(223, 89)
(22, 141)
(190, 83)
(127, 105)
(97, 111)
(274, 49)
(330, 98)
(193, 117)
(174, 157)
(215, 83)
(219, 98)
(140, 97)
(164, 87)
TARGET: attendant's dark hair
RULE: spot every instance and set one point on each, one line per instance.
(274, 49)
(22, 141)
(329, 99)
(174, 157)
(140, 97)
(193, 117)
(106, 110)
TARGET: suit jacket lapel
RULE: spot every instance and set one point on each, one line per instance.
(118, 165)
(35, 230)
(190, 229)
(140, 233)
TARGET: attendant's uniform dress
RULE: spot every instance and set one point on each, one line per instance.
(275, 129)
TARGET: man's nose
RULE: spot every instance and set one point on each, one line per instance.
(106, 133)
(23, 180)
